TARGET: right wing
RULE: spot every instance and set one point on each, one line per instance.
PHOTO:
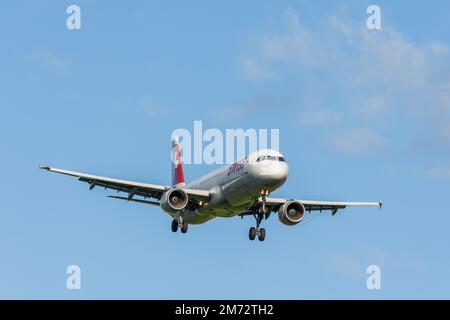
(133, 188)
(319, 205)
(310, 205)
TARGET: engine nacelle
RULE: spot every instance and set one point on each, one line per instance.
(291, 213)
(174, 200)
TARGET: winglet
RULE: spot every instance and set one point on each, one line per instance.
(44, 167)
(380, 204)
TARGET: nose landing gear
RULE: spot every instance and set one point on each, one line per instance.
(260, 232)
(263, 213)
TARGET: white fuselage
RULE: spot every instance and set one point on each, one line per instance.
(235, 187)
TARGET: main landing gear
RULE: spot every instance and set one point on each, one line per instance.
(263, 212)
(260, 232)
(179, 224)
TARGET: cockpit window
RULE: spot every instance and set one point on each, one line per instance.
(261, 158)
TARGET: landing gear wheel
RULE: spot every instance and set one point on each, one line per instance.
(259, 215)
(252, 233)
(174, 225)
(184, 227)
(262, 234)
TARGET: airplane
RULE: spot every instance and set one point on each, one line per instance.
(238, 189)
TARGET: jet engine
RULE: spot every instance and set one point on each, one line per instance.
(292, 212)
(174, 200)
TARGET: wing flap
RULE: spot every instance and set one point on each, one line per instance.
(153, 203)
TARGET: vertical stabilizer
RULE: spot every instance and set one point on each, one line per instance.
(177, 165)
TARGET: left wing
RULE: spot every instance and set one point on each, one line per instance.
(315, 205)
(133, 188)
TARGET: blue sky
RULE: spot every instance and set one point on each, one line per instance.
(363, 115)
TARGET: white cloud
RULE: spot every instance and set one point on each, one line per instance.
(366, 55)
(439, 172)
(398, 78)
(318, 117)
(252, 69)
(350, 266)
(372, 106)
(354, 262)
(152, 109)
(50, 60)
(294, 44)
(252, 106)
(358, 141)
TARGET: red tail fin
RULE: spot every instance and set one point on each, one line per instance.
(177, 165)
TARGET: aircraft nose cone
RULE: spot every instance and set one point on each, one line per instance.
(281, 172)
(272, 174)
